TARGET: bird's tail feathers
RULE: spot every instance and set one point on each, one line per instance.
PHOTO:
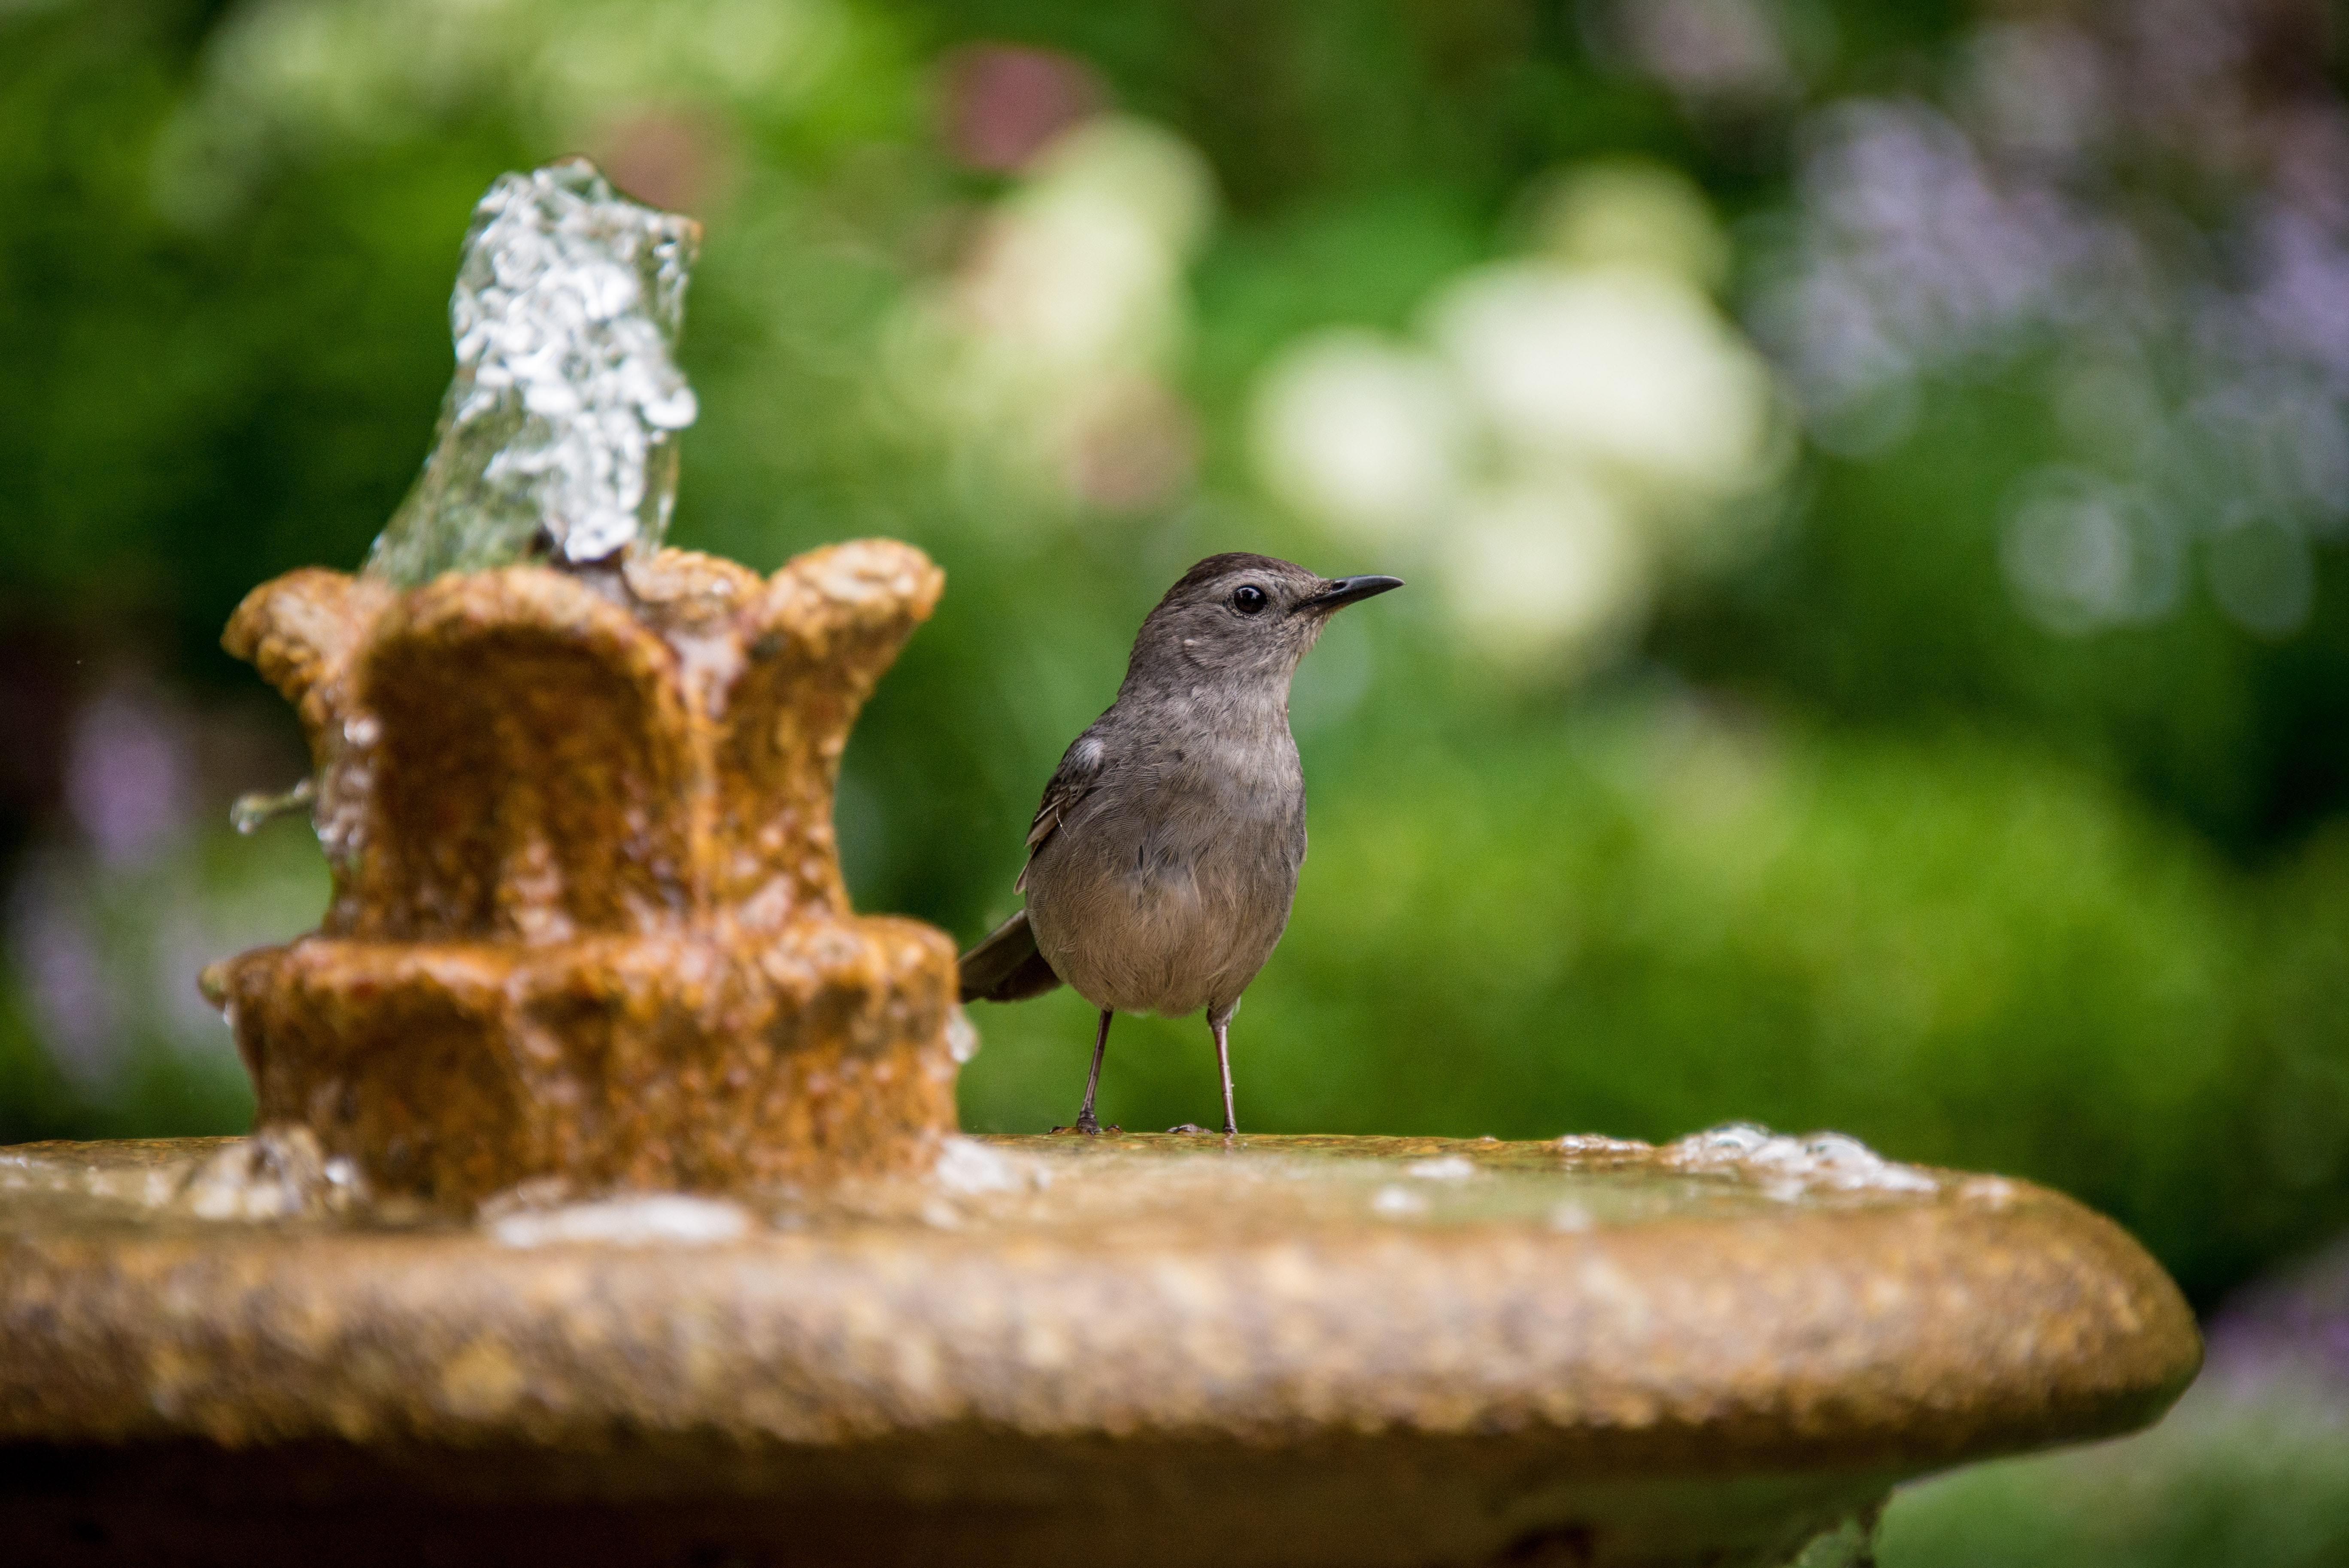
(1006, 967)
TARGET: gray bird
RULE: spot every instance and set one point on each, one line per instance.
(1161, 864)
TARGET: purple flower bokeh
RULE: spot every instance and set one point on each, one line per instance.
(2144, 193)
(2291, 1329)
(58, 955)
(130, 775)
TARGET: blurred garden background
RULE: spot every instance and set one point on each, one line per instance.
(1873, 477)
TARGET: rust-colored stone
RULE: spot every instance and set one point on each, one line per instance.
(588, 920)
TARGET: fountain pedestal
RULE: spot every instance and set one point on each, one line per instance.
(588, 923)
(1152, 1349)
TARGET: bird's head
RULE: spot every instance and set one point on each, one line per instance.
(1243, 616)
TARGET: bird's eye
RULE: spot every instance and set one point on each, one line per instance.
(1248, 599)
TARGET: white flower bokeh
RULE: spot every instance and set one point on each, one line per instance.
(1633, 372)
(1537, 567)
(1051, 344)
(1363, 432)
(1561, 431)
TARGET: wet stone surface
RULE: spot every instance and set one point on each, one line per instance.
(588, 923)
(1173, 1349)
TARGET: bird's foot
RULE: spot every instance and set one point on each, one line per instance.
(1088, 1127)
(1192, 1128)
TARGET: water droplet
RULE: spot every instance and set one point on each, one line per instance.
(962, 1036)
(252, 811)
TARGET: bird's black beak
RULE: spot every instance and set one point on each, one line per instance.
(1347, 589)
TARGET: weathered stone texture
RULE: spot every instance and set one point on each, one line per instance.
(588, 921)
(1245, 1352)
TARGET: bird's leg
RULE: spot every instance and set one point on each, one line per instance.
(1224, 1065)
(1086, 1121)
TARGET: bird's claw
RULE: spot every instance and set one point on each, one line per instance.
(1089, 1127)
(1190, 1126)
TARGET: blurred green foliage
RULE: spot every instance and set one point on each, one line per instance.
(2249, 1468)
(2264, 1486)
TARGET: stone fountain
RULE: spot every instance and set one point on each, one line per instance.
(605, 1203)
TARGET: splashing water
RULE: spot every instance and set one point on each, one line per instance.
(251, 810)
(1784, 1167)
(651, 1219)
(1790, 1167)
(558, 434)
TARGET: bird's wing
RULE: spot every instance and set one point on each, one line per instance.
(1080, 768)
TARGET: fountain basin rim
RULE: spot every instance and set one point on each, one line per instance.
(1892, 1330)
